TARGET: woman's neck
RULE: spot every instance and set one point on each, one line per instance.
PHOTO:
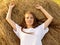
(29, 26)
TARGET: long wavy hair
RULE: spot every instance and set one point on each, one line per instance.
(35, 23)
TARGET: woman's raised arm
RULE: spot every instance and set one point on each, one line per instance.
(49, 17)
(8, 17)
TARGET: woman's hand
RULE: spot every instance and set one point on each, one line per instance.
(12, 4)
(8, 17)
(38, 6)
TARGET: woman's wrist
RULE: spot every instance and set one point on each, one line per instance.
(10, 8)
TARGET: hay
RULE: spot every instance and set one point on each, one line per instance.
(7, 36)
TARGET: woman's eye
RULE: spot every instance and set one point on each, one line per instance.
(27, 17)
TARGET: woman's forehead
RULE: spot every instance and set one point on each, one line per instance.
(28, 15)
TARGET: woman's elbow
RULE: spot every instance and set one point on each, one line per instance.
(51, 18)
(6, 18)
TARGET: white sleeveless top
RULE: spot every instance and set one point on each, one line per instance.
(31, 39)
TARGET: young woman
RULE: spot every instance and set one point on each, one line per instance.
(30, 32)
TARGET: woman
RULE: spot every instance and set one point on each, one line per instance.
(30, 32)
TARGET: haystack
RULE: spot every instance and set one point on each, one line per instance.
(8, 37)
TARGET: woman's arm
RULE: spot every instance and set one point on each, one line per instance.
(8, 17)
(49, 17)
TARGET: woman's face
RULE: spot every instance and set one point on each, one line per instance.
(29, 19)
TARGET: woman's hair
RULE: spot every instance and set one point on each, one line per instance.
(35, 23)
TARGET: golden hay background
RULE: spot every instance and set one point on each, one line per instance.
(8, 37)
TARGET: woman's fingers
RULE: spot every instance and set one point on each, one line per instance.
(12, 4)
(38, 6)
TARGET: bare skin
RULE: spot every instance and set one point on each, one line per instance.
(49, 17)
(8, 17)
(28, 17)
